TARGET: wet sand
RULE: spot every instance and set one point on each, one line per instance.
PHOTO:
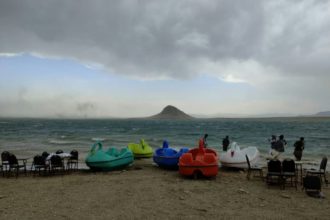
(144, 191)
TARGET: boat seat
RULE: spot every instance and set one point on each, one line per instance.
(113, 152)
(187, 158)
(200, 157)
(209, 158)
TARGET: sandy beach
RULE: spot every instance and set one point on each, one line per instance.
(144, 191)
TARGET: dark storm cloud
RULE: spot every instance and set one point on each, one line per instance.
(175, 39)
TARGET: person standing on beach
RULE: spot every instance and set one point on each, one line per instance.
(299, 146)
(279, 147)
(204, 139)
(225, 143)
(272, 142)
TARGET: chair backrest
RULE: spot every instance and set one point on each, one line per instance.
(56, 160)
(59, 151)
(74, 155)
(248, 161)
(323, 164)
(39, 160)
(45, 154)
(5, 156)
(12, 160)
(274, 166)
(288, 165)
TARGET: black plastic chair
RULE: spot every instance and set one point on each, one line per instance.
(72, 163)
(312, 185)
(45, 155)
(39, 163)
(14, 165)
(56, 164)
(321, 172)
(274, 171)
(252, 169)
(289, 171)
(4, 162)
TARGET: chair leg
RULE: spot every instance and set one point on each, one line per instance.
(261, 175)
(296, 182)
(325, 179)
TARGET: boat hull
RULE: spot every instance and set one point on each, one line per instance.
(166, 162)
(167, 157)
(236, 157)
(199, 160)
(142, 150)
(99, 160)
(205, 170)
(111, 164)
(143, 155)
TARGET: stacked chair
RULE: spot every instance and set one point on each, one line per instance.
(320, 172)
(39, 164)
(280, 172)
(56, 164)
(15, 166)
(274, 172)
(72, 163)
(4, 162)
(10, 163)
(289, 172)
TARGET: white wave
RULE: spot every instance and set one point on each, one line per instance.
(56, 141)
(98, 139)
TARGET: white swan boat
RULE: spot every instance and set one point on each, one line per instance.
(235, 157)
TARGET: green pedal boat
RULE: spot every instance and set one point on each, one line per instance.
(141, 150)
(112, 159)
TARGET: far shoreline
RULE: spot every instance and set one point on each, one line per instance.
(151, 119)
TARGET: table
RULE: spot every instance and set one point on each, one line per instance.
(63, 156)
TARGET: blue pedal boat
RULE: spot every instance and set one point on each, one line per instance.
(167, 157)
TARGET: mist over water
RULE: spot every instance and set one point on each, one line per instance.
(28, 137)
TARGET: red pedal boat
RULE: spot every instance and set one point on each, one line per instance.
(199, 160)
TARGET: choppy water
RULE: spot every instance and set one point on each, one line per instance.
(28, 137)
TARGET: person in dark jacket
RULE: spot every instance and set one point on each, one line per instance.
(204, 139)
(225, 143)
(278, 147)
(299, 146)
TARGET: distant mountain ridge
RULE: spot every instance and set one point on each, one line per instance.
(171, 112)
(325, 113)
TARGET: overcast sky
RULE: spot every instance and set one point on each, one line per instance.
(102, 58)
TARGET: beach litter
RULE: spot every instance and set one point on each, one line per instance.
(285, 196)
(242, 191)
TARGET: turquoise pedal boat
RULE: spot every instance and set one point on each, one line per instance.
(100, 160)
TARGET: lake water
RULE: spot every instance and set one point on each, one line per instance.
(27, 137)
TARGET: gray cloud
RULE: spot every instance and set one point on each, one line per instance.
(163, 38)
(258, 42)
